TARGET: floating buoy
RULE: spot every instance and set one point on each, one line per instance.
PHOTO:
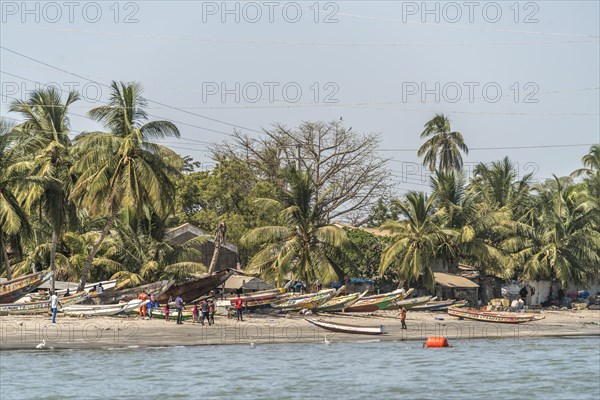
(436, 341)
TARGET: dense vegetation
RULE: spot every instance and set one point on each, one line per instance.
(98, 205)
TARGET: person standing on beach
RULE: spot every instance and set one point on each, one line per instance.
(195, 314)
(54, 303)
(143, 297)
(205, 312)
(179, 306)
(167, 313)
(211, 312)
(150, 306)
(238, 308)
(403, 317)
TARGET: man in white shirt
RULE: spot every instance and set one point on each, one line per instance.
(99, 289)
(54, 306)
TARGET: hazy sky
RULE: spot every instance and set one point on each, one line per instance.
(509, 74)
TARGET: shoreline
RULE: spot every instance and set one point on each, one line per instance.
(26, 332)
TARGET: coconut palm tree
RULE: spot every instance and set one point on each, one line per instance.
(591, 170)
(304, 245)
(13, 218)
(564, 242)
(498, 186)
(477, 225)
(123, 168)
(443, 146)
(417, 242)
(44, 135)
(143, 258)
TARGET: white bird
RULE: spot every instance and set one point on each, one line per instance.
(252, 344)
(327, 342)
(41, 345)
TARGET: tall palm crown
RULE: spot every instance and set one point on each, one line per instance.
(563, 242)
(499, 186)
(304, 245)
(417, 240)
(124, 169)
(475, 223)
(44, 134)
(591, 170)
(13, 218)
(443, 146)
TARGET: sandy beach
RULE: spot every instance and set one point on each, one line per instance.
(25, 332)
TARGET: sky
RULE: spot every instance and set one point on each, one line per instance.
(517, 79)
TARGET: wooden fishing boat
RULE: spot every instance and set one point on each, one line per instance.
(94, 310)
(342, 328)
(160, 314)
(193, 289)
(438, 305)
(379, 296)
(106, 285)
(11, 291)
(309, 302)
(374, 304)
(261, 294)
(115, 296)
(39, 306)
(340, 303)
(257, 300)
(490, 316)
(409, 303)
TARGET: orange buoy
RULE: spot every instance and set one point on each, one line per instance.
(436, 341)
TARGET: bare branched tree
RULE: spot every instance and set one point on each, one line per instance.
(346, 169)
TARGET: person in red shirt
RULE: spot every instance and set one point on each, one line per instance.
(238, 308)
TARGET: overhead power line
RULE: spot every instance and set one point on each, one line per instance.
(149, 100)
(302, 43)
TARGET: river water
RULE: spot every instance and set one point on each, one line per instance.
(545, 368)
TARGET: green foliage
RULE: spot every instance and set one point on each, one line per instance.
(303, 246)
(226, 193)
(364, 254)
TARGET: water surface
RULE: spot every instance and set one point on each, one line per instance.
(501, 369)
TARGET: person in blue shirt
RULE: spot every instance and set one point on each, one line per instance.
(179, 307)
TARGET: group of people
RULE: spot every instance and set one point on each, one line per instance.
(146, 309)
(205, 311)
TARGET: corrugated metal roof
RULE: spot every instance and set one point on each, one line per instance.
(453, 281)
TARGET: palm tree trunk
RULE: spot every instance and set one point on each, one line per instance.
(88, 262)
(6, 260)
(215, 257)
(53, 259)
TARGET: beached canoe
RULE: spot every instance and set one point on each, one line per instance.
(491, 316)
(193, 289)
(106, 285)
(409, 303)
(379, 296)
(116, 296)
(11, 291)
(340, 303)
(103, 309)
(93, 310)
(258, 300)
(39, 307)
(381, 302)
(439, 305)
(160, 314)
(310, 301)
(343, 328)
